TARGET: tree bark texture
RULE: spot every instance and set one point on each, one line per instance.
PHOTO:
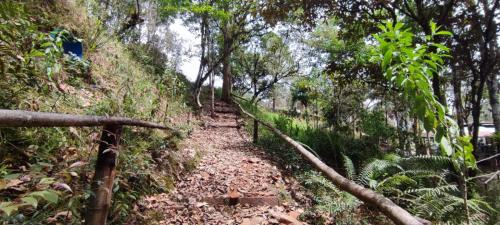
(21, 118)
(227, 79)
(102, 183)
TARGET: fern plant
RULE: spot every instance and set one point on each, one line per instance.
(339, 204)
(425, 185)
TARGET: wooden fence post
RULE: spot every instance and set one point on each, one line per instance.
(102, 183)
(255, 131)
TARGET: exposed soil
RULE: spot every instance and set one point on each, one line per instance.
(234, 182)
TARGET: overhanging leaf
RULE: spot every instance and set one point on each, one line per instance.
(445, 146)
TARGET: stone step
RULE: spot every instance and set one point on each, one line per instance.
(224, 125)
(226, 110)
(244, 200)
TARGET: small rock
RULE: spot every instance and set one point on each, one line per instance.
(286, 219)
(253, 221)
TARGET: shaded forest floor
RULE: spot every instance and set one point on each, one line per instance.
(234, 181)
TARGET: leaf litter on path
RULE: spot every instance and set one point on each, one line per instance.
(235, 182)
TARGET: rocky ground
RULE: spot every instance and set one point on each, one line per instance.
(234, 182)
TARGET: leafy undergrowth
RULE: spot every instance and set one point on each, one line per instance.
(425, 185)
(331, 205)
(46, 172)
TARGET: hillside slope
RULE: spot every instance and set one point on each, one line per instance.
(57, 163)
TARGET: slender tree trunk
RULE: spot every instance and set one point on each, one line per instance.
(417, 134)
(487, 62)
(102, 183)
(212, 75)
(495, 108)
(274, 100)
(203, 61)
(436, 86)
(212, 95)
(457, 93)
(494, 101)
(227, 78)
(476, 116)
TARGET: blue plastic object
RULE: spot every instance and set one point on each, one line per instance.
(70, 44)
(73, 46)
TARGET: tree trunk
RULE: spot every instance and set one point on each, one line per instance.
(274, 103)
(486, 64)
(212, 95)
(211, 64)
(495, 108)
(494, 101)
(476, 112)
(457, 93)
(227, 78)
(203, 61)
(436, 86)
(418, 139)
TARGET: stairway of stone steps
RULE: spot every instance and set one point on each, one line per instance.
(235, 182)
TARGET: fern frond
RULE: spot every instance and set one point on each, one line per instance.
(395, 181)
(349, 167)
(377, 166)
(433, 192)
(433, 162)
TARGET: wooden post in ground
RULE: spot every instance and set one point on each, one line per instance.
(255, 131)
(102, 183)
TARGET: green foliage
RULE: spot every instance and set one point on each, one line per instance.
(410, 67)
(417, 183)
(45, 194)
(340, 205)
(304, 91)
(265, 65)
(373, 124)
(37, 76)
(173, 7)
(331, 147)
(422, 184)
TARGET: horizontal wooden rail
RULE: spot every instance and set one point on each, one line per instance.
(397, 214)
(21, 118)
(109, 146)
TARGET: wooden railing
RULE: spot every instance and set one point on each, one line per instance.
(102, 182)
(397, 214)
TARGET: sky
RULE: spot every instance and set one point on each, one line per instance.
(190, 40)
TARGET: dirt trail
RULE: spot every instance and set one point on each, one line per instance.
(234, 182)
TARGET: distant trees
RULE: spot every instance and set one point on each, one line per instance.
(223, 26)
(263, 65)
(474, 55)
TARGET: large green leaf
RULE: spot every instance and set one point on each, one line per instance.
(47, 195)
(30, 200)
(387, 57)
(8, 207)
(446, 146)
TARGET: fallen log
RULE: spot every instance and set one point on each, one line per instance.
(397, 214)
